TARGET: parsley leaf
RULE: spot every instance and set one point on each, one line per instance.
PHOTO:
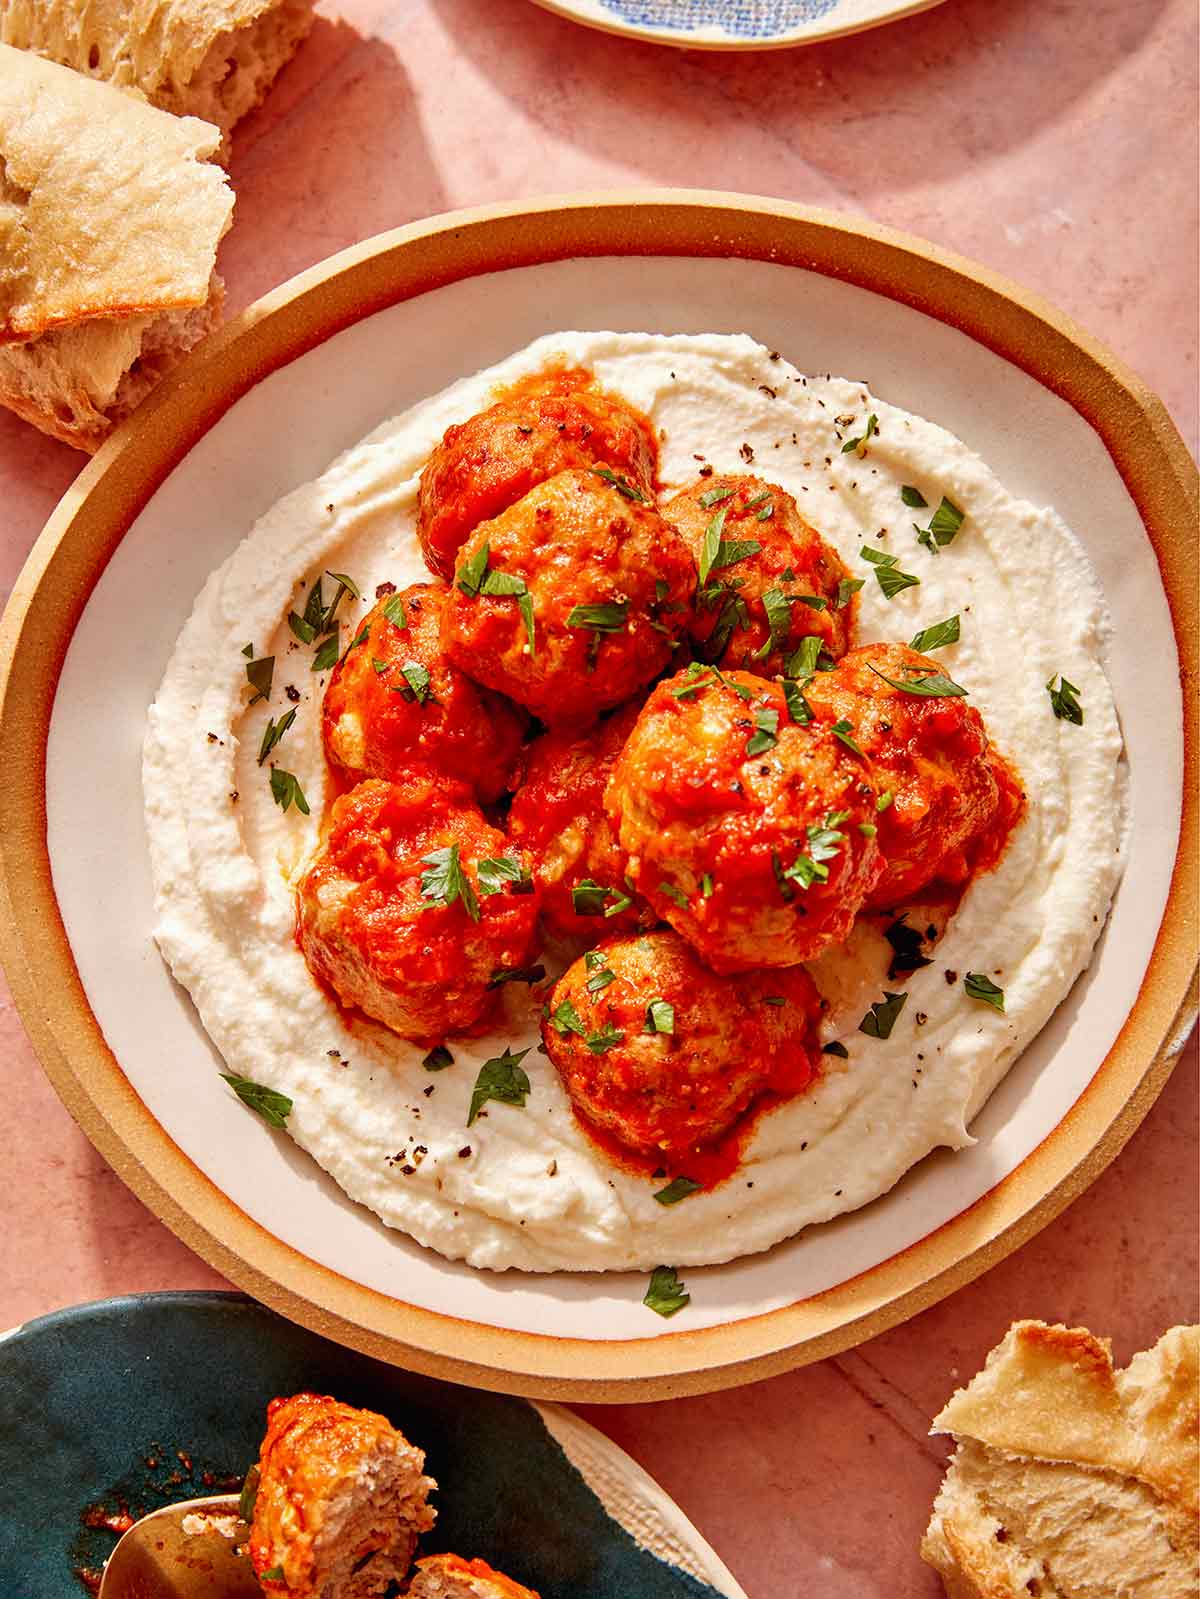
(799, 709)
(621, 484)
(260, 675)
(416, 683)
(932, 638)
(887, 573)
(835, 1048)
(276, 1574)
(286, 790)
(804, 662)
(699, 675)
(913, 498)
(565, 1019)
(660, 1017)
(926, 685)
(717, 552)
(715, 496)
(516, 974)
(394, 611)
(943, 525)
(881, 1018)
(980, 987)
(470, 576)
(248, 1495)
(496, 873)
(501, 1079)
(847, 586)
(884, 800)
(907, 947)
(823, 839)
(445, 881)
(674, 893)
(1063, 698)
(271, 1105)
(273, 732)
(602, 975)
(604, 1040)
(766, 737)
(601, 618)
(679, 1188)
(326, 657)
(843, 730)
(778, 608)
(860, 444)
(438, 1058)
(666, 1294)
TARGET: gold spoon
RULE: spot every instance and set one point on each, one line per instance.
(183, 1552)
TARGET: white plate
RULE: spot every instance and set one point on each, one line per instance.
(733, 24)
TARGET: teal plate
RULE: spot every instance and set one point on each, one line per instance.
(136, 1402)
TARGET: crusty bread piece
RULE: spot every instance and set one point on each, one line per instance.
(452, 1577)
(110, 218)
(214, 59)
(1072, 1480)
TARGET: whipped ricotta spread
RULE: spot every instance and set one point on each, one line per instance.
(525, 1187)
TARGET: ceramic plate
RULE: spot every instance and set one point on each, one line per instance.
(266, 406)
(734, 24)
(133, 1403)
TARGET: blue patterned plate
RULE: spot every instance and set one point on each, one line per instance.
(128, 1404)
(734, 24)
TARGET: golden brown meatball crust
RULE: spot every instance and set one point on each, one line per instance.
(601, 582)
(664, 1055)
(558, 817)
(753, 609)
(930, 754)
(484, 465)
(395, 915)
(394, 700)
(338, 1488)
(452, 1577)
(753, 835)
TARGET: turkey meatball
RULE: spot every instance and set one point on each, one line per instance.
(413, 904)
(340, 1503)
(571, 600)
(452, 1577)
(484, 465)
(394, 700)
(663, 1055)
(558, 817)
(751, 833)
(767, 579)
(937, 778)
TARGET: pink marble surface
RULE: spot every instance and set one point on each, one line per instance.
(1054, 140)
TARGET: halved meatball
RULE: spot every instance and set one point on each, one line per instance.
(558, 817)
(452, 1577)
(413, 904)
(484, 465)
(571, 600)
(755, 604)
(663, 1055)
(752, 834)
(394, 700)
(340, 1504)
(930, 754)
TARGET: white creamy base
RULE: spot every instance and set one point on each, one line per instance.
(534, 1192)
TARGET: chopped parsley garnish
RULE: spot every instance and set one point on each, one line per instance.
(913, 498)
(928, 685)
(835, 1048)
(516, 974)
(360, 637)
(606, 618)
(377, 666)
(1063, 698)
(660, 1017)
(980, 987)
(622, 903)
(608, 1036)
(674, 893)
(887, 573)
(943, 525)
(416, 683)
(506, 585)
(847, 586)
(248, 1495)
(438, 1058)
(706, 886)
(275, 1574)
(666, 1294)
(860, 443)
(394, 611)
(778, 608)
(824, 839)
(565, 1019)
(343, 582)
(803, 662)
(273, 732)
(601, 977)
(715, 496)
(471, 575)
(260, 675)
(501, 1079)
(700, 675)
(777, 1001)
(767, 512)
(621, 484)
(444, 880)
(932, 638)
(907, 947)
(678, 1188)
(766, 735)
(884, 800)
(501, 872)
(799, 709)
(717, 552)
(319, 618)
(286, 791)
(881, 1018)
(588, 899)
(758, 499)
(327, 656)
(271, 1105)
(844, 730)
(813, 601)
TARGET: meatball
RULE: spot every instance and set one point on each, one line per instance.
(486, 464)
(929, 754)
(413, 904)
(571, 600)
(663, 1055)
(394, 700)
(558, 817)
(452, 1577)
(752, 834)
(340, 1503)
(753, 608)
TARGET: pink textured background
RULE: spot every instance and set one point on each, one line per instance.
(1053, 140)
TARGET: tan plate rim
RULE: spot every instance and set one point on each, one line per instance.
(793, 41)
(96, 511)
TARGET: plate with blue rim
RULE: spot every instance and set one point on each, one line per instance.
(734, 24)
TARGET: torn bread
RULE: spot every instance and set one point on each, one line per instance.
(1072, 1480)
(110, 217)
(452, 1577)
(342, 1499)
(213, 59)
